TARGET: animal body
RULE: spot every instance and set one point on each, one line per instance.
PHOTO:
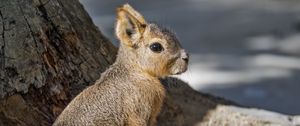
(129, 92)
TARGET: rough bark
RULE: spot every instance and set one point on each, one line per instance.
(51, 50)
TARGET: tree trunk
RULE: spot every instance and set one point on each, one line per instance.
(49, 51)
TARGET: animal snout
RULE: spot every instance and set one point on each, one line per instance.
(184, 56)
(186, 59)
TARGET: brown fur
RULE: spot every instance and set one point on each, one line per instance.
(129, 93)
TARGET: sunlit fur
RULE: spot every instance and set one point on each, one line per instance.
(129, 92)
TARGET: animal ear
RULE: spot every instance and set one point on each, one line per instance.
(130, 24)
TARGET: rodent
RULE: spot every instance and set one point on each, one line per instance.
(129, 92)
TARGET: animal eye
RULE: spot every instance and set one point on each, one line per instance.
(156, 47)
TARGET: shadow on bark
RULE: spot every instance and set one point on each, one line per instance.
(184, 106)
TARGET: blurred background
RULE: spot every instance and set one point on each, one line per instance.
(247, 51)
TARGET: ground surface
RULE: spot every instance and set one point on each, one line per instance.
(247, 51)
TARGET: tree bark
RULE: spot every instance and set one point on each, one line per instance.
(49, 51)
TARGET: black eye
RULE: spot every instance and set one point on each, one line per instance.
(156, 47)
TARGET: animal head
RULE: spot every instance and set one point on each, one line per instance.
(154, 49)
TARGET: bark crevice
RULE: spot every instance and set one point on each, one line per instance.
(28, 25)
(2, 53)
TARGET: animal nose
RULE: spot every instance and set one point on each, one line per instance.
(186, 59)
(185, 56)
